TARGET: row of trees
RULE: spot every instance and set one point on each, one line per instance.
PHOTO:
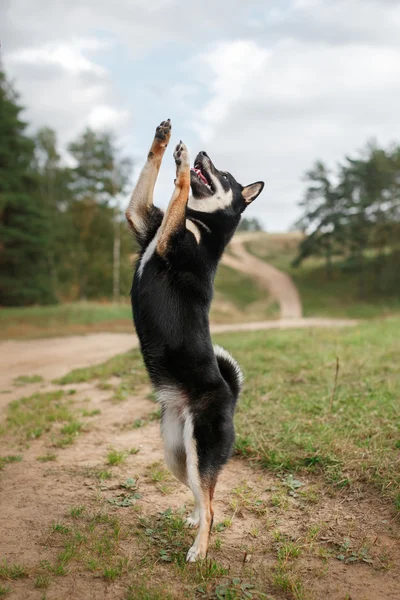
(61, 231)
(353, 214)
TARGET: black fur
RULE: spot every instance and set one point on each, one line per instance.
(171, 302)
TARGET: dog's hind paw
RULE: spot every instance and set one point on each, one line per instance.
(194, 554)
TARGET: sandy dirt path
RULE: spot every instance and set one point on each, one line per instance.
(279, 285)
(55, 357)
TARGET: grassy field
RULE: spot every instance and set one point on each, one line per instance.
(318, 429)
(339, 295)
(315, 401)
(237, 298)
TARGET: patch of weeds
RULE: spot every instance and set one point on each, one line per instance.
(133, 450)
(289, 583)
(208, 569)
(25, 379)
(128, 498)
(77, 511)
(348, 554)
(138, 423)
(33, 415)
(47, 458)
(167, 534)
(93, 543)
(104, 385)
(71, 392)
(12, 571)
(60, 528)
(6, 460)
(121, 393)
(103, 475)
(157, 472)
(113, 572)
(73, 428)
(246, 498)
(288, 551)
(230, 589)
(218, 543)
(4, 591)
(128, 367)
(144, 591)
(292, 484)
(42, 582)
(115, 457)
(91, 413)
(222, 525)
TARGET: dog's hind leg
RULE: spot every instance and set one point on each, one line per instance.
(203, 491)
(174, 221)
(141, 201)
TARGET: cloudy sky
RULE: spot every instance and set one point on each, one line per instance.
(265, 87)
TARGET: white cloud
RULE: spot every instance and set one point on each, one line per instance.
(65, 55)
(268, 87)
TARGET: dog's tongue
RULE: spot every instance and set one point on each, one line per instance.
(200, 174)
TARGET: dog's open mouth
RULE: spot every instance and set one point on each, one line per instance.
(202, 175)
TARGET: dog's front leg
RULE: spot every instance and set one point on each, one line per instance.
(141, 201)
(175, 217)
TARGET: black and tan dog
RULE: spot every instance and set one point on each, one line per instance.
(197, 384)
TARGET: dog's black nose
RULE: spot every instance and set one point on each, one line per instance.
(202, 153)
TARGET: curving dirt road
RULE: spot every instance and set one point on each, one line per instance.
(279, 285)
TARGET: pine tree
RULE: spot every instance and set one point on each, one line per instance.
(24, 232)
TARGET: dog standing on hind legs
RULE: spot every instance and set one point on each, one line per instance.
(197, 384)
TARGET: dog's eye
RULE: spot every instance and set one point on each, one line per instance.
(224, 175)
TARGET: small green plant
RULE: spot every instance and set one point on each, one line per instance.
(4, 591)
(77, 511)
(73, 428)
(12, 571)
(209, 569)
(115, 457)
(91, 413)
(42, 582)
(60, 528)
(6, 460)
(25, 379)
(46, 458)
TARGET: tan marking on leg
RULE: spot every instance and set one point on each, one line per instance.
(200, 546)
(175, 216)
(142, 196)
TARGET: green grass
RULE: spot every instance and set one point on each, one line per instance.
(129, 367)
(12, 571)
(47, 457)
(236, 287)
(114, 457)
(34, 415)
(342, 293)
(25, 379)
(291, 418)
(64, 319)
(6, 460)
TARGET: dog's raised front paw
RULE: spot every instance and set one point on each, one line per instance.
(163, 131)
(181, 157)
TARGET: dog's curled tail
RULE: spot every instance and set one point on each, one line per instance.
(230, 370)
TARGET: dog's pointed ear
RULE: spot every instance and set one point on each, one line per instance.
(250, 192)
